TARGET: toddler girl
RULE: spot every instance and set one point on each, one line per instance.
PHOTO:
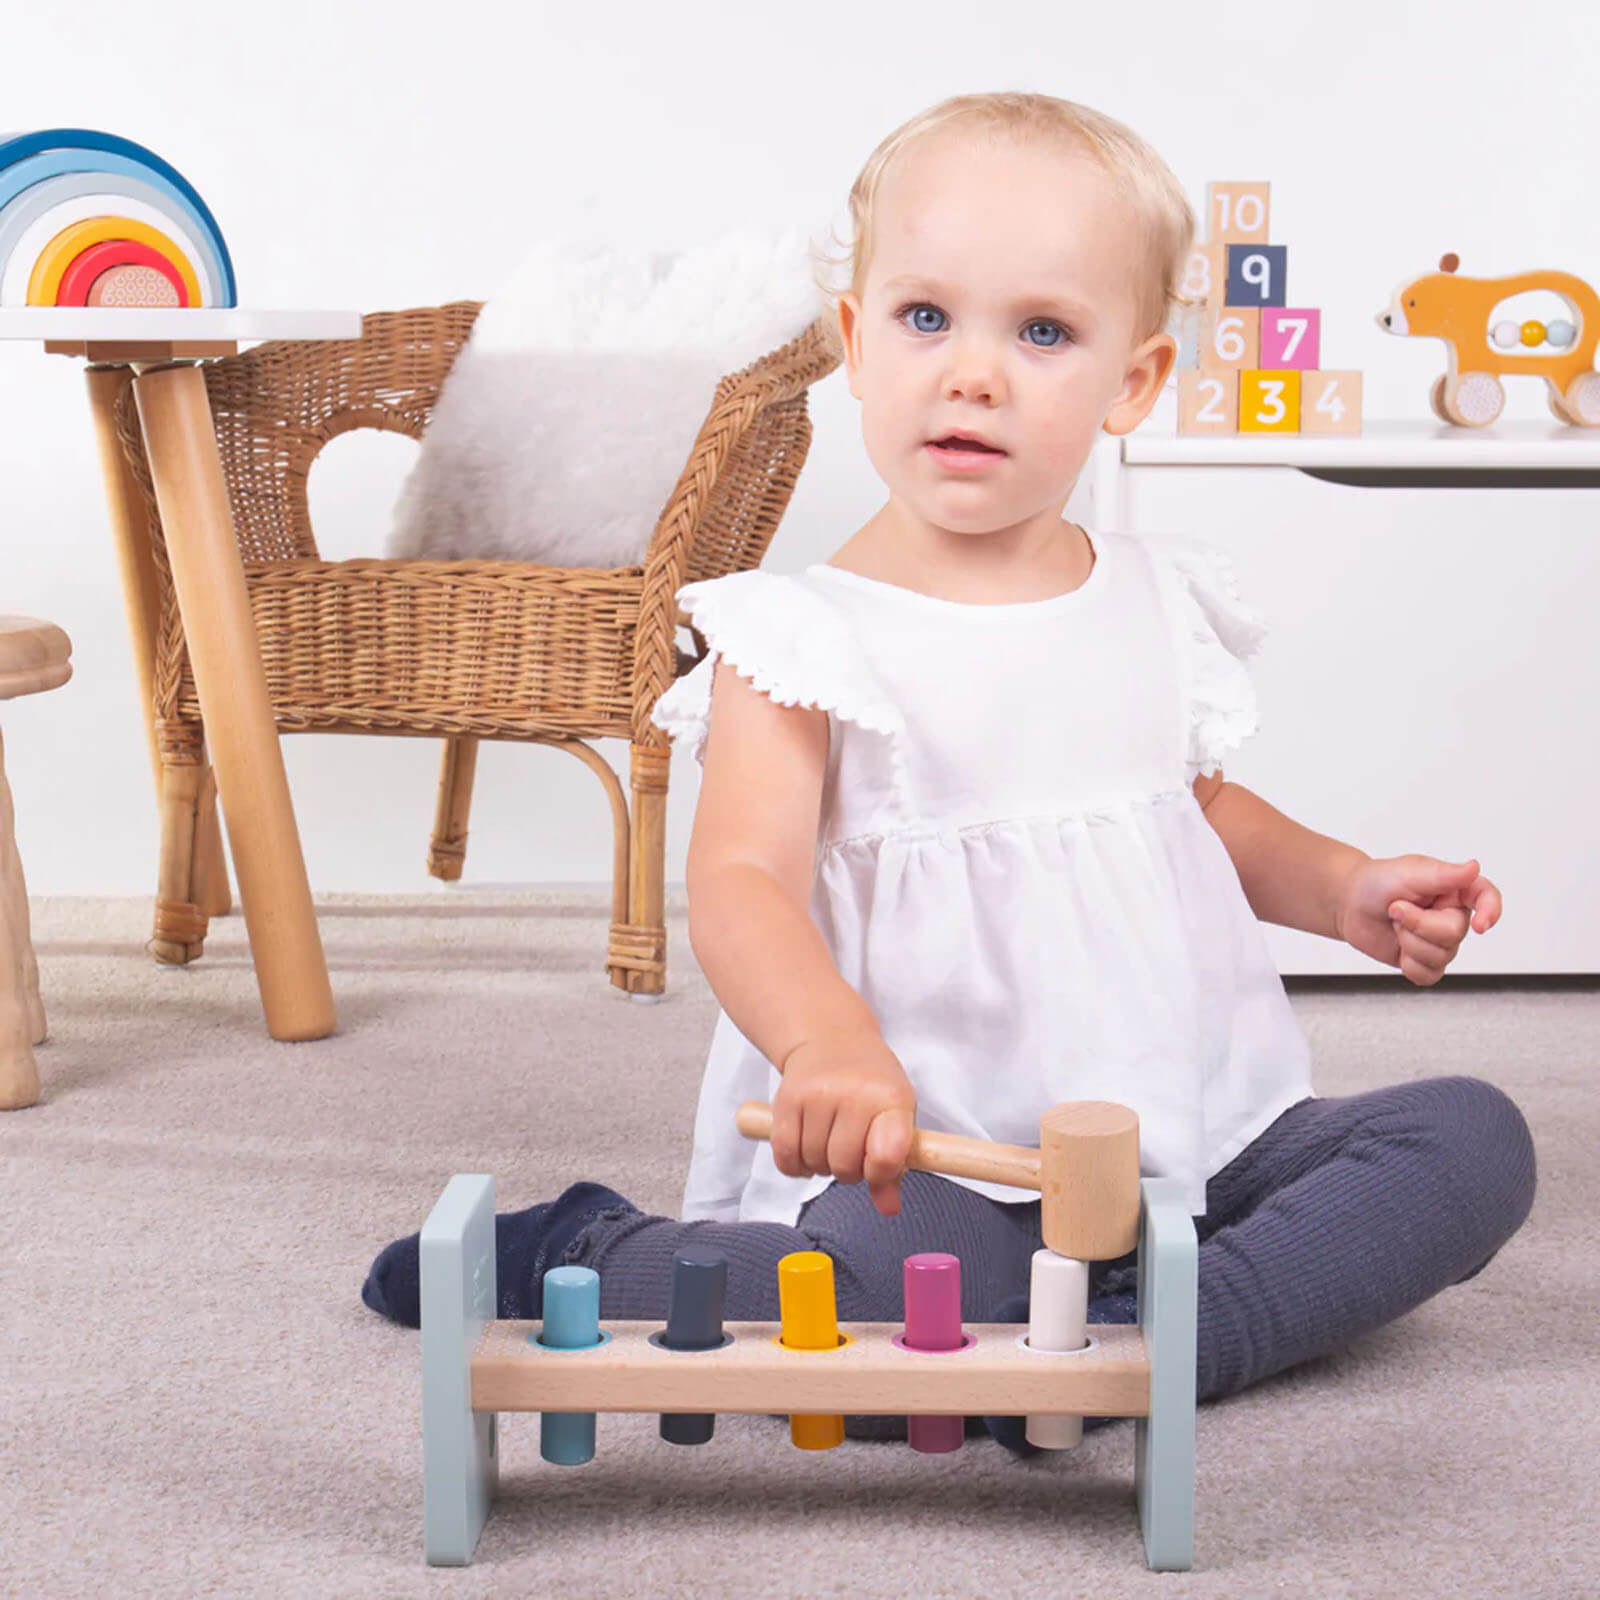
(964, 850)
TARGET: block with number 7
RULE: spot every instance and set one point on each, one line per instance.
(1290, 337)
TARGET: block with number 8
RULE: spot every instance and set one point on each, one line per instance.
(1330, 402)
(1269, 402)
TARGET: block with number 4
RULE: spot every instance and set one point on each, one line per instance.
(1330, 402)
(1208, 402)
(1290, 337)
(1269, 402)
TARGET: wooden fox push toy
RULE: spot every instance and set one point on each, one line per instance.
(1443, 305)
(1094, 1207)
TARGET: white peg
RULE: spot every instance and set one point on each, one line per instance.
(1058, 1308)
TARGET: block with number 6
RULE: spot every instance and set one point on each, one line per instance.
(1330, 402)
(1208, 402)
(1269, 402)
(1232, 340)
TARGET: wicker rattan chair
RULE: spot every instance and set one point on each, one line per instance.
(461, 650)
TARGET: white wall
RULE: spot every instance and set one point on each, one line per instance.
(382, 155)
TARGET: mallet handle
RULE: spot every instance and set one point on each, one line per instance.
(951, 1153)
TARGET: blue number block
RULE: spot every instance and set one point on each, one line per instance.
(1258, 275)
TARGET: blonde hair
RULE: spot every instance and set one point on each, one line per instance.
(1163, 218)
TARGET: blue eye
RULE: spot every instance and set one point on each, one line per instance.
(920, 327)
(1055, 327)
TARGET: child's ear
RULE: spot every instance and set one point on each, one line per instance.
(1148, 370)
(850, 338)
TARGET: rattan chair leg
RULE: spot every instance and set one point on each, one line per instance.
(180, 923)
(19, 1073)
(647, 870)
(447, 851)
(212, 891)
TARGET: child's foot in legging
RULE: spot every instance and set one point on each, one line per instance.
(526, 1244)
(1011, 1431)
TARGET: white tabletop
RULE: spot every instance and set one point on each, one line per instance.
(1381, 444)
(127, 324)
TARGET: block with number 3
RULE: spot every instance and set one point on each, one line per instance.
(1290, 337)
(1330, 402)
(1269, 402)
(1208, 402)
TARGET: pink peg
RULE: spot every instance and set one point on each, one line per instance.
(933, 1322)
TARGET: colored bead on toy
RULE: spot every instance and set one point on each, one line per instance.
(1532, 333)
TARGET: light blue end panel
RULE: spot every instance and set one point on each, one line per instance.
(460, 1459)
(1163, 1446)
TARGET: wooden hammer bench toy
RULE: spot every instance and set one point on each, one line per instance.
(1094, 1207)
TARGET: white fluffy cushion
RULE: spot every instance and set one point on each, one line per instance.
(567, 418)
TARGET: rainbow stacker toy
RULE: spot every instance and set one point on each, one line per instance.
(1094, 1207)
(90, 219)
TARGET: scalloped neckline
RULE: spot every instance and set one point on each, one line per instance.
(979, 608)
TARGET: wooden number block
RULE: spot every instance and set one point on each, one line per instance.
(1269, 402)
(1237, 211)
(1235, 338)
(1208, 402)
(1290, 338)
(1330, 402)
(1257, 274)
(1191, 327)
(1205, 275)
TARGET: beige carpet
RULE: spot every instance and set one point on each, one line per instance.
(196, 1402)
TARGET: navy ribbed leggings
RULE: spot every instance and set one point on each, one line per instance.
(1347, 1212)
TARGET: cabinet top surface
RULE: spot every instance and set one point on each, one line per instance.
(1408, 443)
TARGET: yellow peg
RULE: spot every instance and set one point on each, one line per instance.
(809, 1321)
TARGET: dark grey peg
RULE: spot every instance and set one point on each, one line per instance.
(694, 1322)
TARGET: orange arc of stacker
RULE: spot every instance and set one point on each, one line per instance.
(44, 283)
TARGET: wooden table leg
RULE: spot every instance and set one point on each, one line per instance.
(21, 1024)
(130, 533)
(231, 682)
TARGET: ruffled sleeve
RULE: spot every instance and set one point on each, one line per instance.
(1217, 634)
(790, 643)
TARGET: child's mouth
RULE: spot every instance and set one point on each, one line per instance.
(963, 454)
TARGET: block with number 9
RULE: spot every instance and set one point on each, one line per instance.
(1208, 402)
(1269, 402)
(1330, 402)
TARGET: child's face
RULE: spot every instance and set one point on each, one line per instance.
(983, 255)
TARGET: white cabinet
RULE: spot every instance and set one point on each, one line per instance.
(1431, 676)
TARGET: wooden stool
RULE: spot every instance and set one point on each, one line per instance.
(34, 656)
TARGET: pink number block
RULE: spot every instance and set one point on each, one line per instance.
(1290, 336)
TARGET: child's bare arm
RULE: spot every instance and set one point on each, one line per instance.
(751, 859)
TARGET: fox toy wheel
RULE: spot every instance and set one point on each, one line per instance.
(1436, 398)
(1583, 400)
(1474, 400)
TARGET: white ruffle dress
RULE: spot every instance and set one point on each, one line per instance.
(1012, 869)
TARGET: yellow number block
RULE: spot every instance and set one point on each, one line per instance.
(1233, 340)
(1269, 402)
(1208, 402)
(1330, 402)
(1237, 213)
